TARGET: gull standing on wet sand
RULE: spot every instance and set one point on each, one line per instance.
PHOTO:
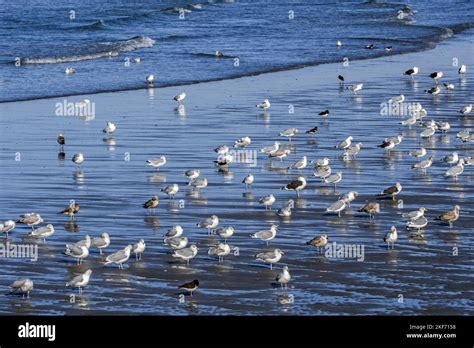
(186, 253)
(192, 174)
(30, 219)
(173, 232)
(301, 164)
(109, 128)
(345, 143)
(391, 191)
(456, 170)
(423, 165)
(179, 98)
(337, 207)
(356, 88)
(77, 252)
(23, 286)
(271, 148)
(78, 159)
(391, 237)
(156, 162)
(267, 201)
(152, 203)
(242, 142)
(198, 184)
(176, 243)
(266, 235)
(412, 72)
(190, 287)
(414, 215)
(71, 210)
(248, 181)
(80, 281)
(224, 232)
(264, 105)
(209, 223)
(119, 257)
(450, 216)
(171, 190)
(289, 133)
(221, 250)
(285, 210)
(319, 242)
(284, 277)
(371, 209)
(296, 185)
(101, 242)
(270, 257)
(139, 248)
(334, 179)
(42, 232)
(349, 197)
(280, 153)
(7, 226)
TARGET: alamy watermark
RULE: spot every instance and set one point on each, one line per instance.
(345, 251)
(84, 108)
(24, 251)
(399, 109)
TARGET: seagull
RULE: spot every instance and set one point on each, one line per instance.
(151, 203)
(391, 191)
(221, 250)
(209, 223)
(451, 159)
(312, 131)
(338, 43)
(409, 121)
(7, 226)
(334, 179)
(280, 153)
(443, 126)
(87, 241)
(61, 140)
(23, 286)
(198, 183)
(414, 215)
(289, 133)
(101, 242)
(418, 153)
(267, 201)
(186, 253)
(136, 60)
(423, 165)
(176, 243)
(295, 185)
(139, 248)
(270, 149)
(224, 232)
(466, 109)
(352, 151)
(190, 287)
(42, 232)
(248, 180)
(448, 86)
(370, 47)
(456, 170)
(322, 172)
(324, 113)
(156, 162)
(264, 105)
(462, 70)
(319, 242)
(222, 150)
(396, 139)
(301, 164)
(464, 135)
(266, 235)
(322, 162)
(109, 128)
(78, 158)
(388, 49)
(391, 237)
(337, 207)
(417, 224)
(436, 75)
(285, 211)
(412, 72)
(119, 257)
(218, 54)
(242, 142)
(149, 80)
(450, 216)
(349, 197)
(433, 90)
(171, 190)
(69, 70)
(173, 232)
(71, 210)
(80, 281)
(30, 219)
(224, 160)
(356, 88)
(284, 277)
(270, 257)
(192, 174)
(345, 143)
(371, 209)
(397, 100)
(77, 252)
(180, 97)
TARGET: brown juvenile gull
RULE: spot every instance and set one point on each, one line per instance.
(391, 191)
(151, 203)
(319, 242)
(71, 210)
(371, 209)
(295, 185)
(450, 216)
(23, 286)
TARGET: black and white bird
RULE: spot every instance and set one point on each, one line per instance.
(324, 113)
(149, 80)
(462, 70)
(248, 180)
(340, 78)
(391, 191)
(190, 287)
(61, 140)
(412, 72)
(312, 131)
(265, 104)
(296, 185)
(180, 97)
(109, 128)
(433, 90)
(436, 75)
(391, 237)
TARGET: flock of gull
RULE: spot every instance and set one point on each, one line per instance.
(178, 243)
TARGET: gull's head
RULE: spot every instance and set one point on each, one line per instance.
(285, 268)
(88, 272)
(325, 236)
(278, 251)
(423, 209)
(393, 229)
(49, 226)
(194, 248)
(350, 137)
(398, 185)
(457, 208)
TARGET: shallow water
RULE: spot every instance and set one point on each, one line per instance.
(111, 191)
(46, 38)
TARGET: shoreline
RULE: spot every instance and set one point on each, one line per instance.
(463, 29)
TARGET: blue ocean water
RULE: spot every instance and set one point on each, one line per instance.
(176, 39)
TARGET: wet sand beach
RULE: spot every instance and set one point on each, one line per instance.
(416, 277)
